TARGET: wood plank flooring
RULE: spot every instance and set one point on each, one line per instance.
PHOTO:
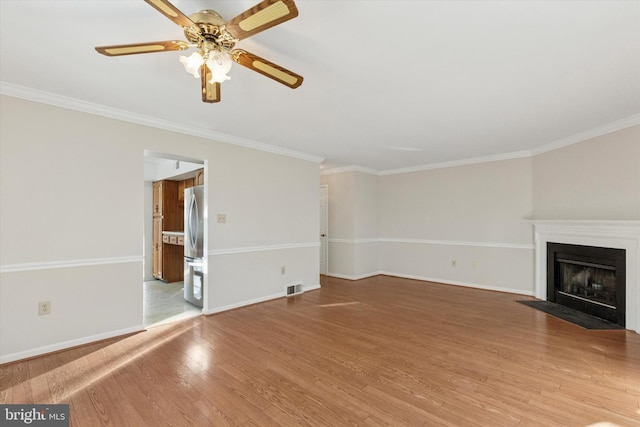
(379, 351)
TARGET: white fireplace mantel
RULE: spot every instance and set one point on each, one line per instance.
(607, 234)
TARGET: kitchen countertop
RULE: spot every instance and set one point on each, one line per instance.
(173, 233)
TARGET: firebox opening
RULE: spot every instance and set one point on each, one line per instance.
(587, 278)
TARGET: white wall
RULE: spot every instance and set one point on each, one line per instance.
(485, 202)
(476, 215)
(366, 205)
(595, 179)
(367, 224)
(415, 224)
(272, 221)
(72, 206)
(353, 224)
(341, 231)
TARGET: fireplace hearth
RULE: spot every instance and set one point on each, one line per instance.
(588, 278)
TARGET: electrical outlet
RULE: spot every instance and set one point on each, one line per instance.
(283, 269)
(222, 218)
(454, 263)
(44, 308)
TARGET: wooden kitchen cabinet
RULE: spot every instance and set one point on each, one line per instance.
(199, 179)
(157, 198)
(167, 260)
(172, 263)
(187, 183)
(165, 205)
(156, 259)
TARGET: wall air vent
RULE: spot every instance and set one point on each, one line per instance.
(294, 289)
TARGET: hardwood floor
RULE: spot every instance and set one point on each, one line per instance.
(379, 351)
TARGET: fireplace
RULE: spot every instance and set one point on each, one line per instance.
(588, 278)
(617, 234)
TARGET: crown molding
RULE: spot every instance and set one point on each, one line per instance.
(463, 162)
(69, 103)
(588, 134)
(43, 97)
(560, 143)
(350, 168)
(420, 168)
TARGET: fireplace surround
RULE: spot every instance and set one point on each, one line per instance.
(589, 279)
(623, 235)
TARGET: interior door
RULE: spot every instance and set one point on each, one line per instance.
(324, 225)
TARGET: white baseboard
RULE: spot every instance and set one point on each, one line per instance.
(362, 276)
(68, 344)
(431, 279)
(215, 310)
(457, 283)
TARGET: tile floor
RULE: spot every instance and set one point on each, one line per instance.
(164, 303)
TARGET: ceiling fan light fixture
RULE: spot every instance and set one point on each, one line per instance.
(192, 63)
(219, 63)
(214, 39)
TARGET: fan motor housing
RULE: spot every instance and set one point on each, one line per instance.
(210, 28)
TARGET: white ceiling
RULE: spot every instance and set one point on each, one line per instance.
(389, 85)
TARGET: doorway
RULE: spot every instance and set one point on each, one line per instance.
(165, 178)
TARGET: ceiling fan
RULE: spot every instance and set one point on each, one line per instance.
(215, 40)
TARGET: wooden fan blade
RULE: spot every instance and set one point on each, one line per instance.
(210, 91)
(151, 47)
(265, 14)
(171, 12)
(267, 68)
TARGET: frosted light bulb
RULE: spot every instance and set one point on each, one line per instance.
(219, 64)
(192, 63)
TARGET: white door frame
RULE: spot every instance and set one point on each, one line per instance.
(324, 229)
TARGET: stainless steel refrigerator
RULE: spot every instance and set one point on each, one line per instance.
(193, 244)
